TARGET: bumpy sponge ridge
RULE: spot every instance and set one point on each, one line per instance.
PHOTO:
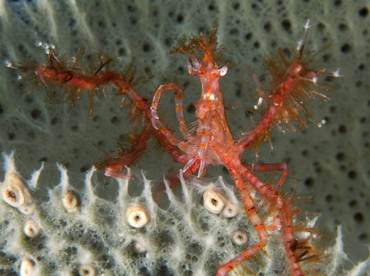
(73, 231)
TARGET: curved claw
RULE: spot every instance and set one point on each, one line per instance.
(191, 162)
(201, 168)
(153, 112)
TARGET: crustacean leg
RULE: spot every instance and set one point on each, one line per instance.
(179, 91)
(257, 222)
(193, 159)
(280, 204)
(272, 167)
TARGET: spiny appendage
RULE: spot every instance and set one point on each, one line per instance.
(300, 241)
(201, 48)
(294, 83)
(297, 235)
(113, 165)
(75, 75)
(205, 54)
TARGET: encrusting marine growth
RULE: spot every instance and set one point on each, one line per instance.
(293, 84)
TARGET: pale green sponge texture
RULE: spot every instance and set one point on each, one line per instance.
(183, 238)
(330, 163)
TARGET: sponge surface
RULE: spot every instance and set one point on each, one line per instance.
(331, 163)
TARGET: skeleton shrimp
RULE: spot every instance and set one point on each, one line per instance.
(212, 144)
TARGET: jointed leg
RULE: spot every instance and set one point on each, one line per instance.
(178, 102)
(257, 223)
(113, 165)
(290, 241)
(272, 167)
(286, 216)
(141, 103)
(201, 140)
(204, 133)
